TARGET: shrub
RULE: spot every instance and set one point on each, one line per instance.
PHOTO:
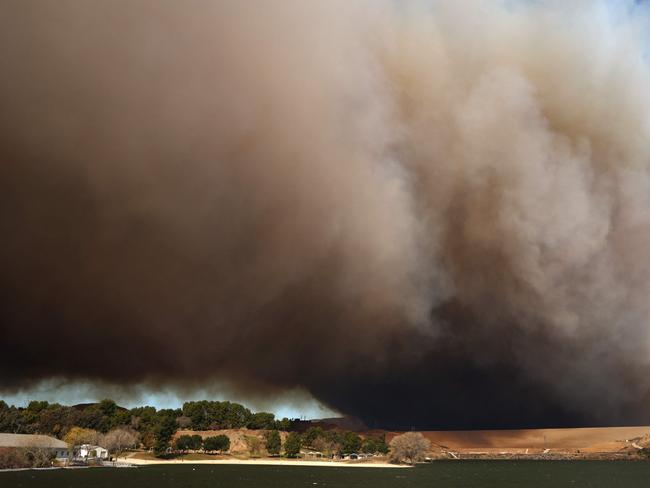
(183, 443)
(273, 442)
(410, 448)
(217, 443)
(254, 445)
(39, 458)
(292, 445)
(11, 458)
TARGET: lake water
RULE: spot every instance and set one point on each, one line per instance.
(465, 474)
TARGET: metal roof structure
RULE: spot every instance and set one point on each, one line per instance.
(31, 440)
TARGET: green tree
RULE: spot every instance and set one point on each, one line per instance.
(57, 419)
(8, 417)
(292, 445)
(183, 443)
(160, 447)
(351, 443)
(144, 420)
(284, 424)
(311, 435)
(261, 420)
(273, 442)
(333, 436)
(189, 442)
(219, 443)
(235, 415)
(375, 445)
(92, 418)
(31, 416)
(164, 430)
(108, 407)
(205, 415)
(197, 442)
(166, 426)
(198, 413)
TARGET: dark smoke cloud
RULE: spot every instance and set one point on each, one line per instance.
(431, 214)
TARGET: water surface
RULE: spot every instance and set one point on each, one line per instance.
(465, 474)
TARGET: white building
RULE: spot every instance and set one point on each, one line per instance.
(60, 449)
(87, 451)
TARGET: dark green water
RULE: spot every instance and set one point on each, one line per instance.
(466, 474)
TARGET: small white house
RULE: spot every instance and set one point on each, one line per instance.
(86, 451)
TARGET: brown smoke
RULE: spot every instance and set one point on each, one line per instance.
(423, 213)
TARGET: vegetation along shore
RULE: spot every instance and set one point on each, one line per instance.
(215, 432)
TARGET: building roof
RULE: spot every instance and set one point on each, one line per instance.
(29, 440)
(91, 447)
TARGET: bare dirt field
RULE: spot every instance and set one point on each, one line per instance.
(583, 441)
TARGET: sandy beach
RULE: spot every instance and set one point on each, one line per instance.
(261, 462)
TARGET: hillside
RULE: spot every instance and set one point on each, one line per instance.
(579, 442)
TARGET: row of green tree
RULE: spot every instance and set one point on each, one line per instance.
(341, 443)
(217, 443)
(154, 426)
(214, 415)
(328, 443)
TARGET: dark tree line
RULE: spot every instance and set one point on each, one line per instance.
(333, 443)
(342, 442)
(51, 418)
(155, 426)
(213, 415)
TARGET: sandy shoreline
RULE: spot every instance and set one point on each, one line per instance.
(261, 462)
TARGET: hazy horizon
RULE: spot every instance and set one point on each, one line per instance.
(290, 405)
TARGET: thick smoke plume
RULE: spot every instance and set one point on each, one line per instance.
(431, 214)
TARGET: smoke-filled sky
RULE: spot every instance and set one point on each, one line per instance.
(421, 213)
